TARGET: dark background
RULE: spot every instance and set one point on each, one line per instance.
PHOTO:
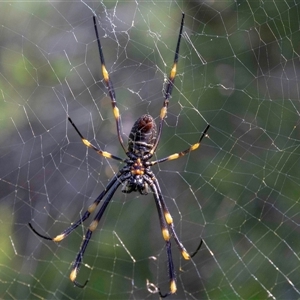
(238, 71)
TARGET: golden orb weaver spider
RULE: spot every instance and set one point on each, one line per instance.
(136, 175)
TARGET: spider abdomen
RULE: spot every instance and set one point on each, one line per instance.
(142, 136)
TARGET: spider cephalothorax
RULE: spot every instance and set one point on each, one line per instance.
(136, 174)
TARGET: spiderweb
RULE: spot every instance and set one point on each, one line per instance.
(238, 71)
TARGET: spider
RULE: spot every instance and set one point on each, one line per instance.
(136, 174)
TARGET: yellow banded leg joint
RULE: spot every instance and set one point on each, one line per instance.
(173, 287)
(173, 72)
(73, 274)
(106, 154)
(59, 238)
(93, 225)
(92, 207)
(87, 143)
(195, 146)
(166, 234)
(163, 113)
(173, 156)
(168, 218)
(116, 112)
(105, 73)
(185, 255)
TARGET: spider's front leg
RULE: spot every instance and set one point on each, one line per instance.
(163, 219)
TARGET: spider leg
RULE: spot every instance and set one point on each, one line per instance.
(169, 87)
(182, 153)
(166, 221)
(90, 145)
(110, 87)
(92, 228)
(169, 220)
(198, 248)
(90, 209)
(166, 235)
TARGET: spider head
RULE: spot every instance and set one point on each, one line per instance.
(135, 183)
(142, 136)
